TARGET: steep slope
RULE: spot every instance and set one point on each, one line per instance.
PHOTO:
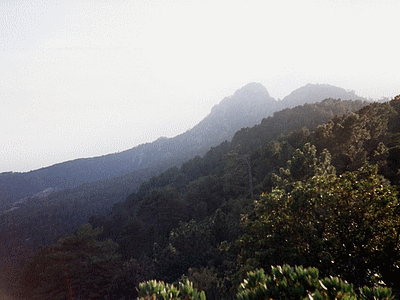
(245, 108)
(291, 119)
(188, 218)
(202, 186)
(215, 190)
(312, 93)
(39, 221)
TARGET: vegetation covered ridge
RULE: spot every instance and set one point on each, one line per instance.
(322, 197)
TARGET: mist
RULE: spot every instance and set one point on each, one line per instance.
(81, 79)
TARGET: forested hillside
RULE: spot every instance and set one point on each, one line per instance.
(323, 196)
(246, 107)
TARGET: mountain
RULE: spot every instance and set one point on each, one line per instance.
(308, 116)
(234, 209)
(39, 219)
(45, 216)
(312, 93)
(245, 108)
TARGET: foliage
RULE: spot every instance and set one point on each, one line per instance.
(321, 206)
(345, 224)
(76, 266)
(159, 290)
(204, 195)
(284, 283)
(298, 283)
(303, 165)
(383, 293)
(128, 277)
(206, 279)
(189, 245)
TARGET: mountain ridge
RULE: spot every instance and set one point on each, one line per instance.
(37, 222)
(220, 124)
(311, 93)
(247, 107)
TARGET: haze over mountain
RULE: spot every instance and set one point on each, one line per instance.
(83, 79)
(45, 216)
(245, 108)
(40, 218)
(312, 93)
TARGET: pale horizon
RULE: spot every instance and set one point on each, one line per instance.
(82, 79)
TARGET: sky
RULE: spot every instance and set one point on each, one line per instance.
(83, 78)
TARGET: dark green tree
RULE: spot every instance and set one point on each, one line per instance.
(303, 165)
(298, 283)
(189, 245)
(76, 267)
(162, 209)
(347, 225)
(204, 195)
(159, 290)
(127, 279)
(238, 178)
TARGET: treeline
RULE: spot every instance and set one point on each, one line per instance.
(41, 222)
(323, 196)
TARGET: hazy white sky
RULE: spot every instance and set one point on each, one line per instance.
(84, 78)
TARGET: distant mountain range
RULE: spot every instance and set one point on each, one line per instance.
(38, 211)
(247, 107)
(312, 93)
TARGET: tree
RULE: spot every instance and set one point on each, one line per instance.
(204, 195)
(127, 279)
(303, 165)
(189, 245)
(163, 209)
(238, 173)
(298, 283)
(347, 225)
(159, 290)
(77, 266)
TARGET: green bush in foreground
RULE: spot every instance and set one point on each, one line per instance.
(284, 283)
(299, 284)
(159, 290)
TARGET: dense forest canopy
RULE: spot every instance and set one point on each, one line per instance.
(313, 186)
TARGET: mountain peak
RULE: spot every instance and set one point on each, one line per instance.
(250, 95)
(252, 89)
(311, 93)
